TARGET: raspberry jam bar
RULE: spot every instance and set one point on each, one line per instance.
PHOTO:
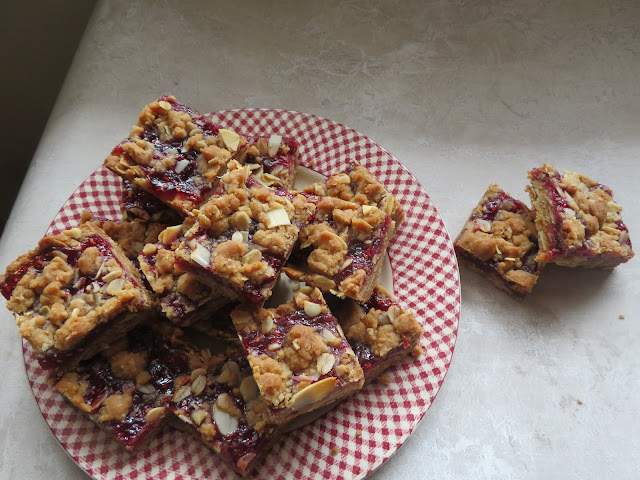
(73, 294)
(380, 331)
(499, 240)
(184, 297)
(121, 389)
(357, 185)
(272, 160)
(175, 154)
(342, 249)
(579, 224)
(300, 358)
(240, 240)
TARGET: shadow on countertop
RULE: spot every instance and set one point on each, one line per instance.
(40, 39)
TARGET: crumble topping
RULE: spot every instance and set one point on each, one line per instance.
(298, 353)
(344, 246)
(575, 214)
(357, 185)
(500, 239)
(130, 235)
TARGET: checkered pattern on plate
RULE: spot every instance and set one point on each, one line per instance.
(425, 278)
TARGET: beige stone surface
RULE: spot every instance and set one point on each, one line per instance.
(464, 94)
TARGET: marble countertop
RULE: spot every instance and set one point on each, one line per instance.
(464, 94)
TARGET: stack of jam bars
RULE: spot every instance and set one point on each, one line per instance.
(159, 319)
(574, 222)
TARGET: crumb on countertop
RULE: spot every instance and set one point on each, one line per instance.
(335, 450)
(579, 400)
(621, 316)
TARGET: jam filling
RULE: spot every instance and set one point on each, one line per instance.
(369, 361)
(135, 198)
(364, 255)
(495, 204)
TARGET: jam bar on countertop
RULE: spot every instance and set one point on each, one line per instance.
(240, 240)
(357, 185)
(272, 160)
(342, 248)
(300, 359)
(380, 331)
(578, 222)
(74, 294)
(174, 153)
(499, 240)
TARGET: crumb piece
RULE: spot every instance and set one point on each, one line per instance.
(358, 433)
(335, 450)
(621, 316)
(579, 400)
(417, 352)
(384, 379)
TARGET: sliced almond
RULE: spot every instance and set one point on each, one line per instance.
(312, 309)
(484, 225)
(274, 145)
(201, 255)
(237, 237)
(313, 393)
(164, 105)
(225, 423)
(230, 138)
(115, 286)
(112, 275)
(277, 217)
(154, 414)
(197, 387)
(325, 363)
(249, 389)
(252, 256)
(169, 234)
(181, 165)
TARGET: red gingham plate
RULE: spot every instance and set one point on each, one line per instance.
(425, 277)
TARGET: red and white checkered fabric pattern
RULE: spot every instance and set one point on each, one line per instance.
(425, 275)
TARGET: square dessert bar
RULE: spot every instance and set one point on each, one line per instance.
(499, 240)
(238, 241)
(300, 358)
(121, 390)
(184, 296)
(74, 294)
(380, 331)
(342, 248)
(579, 224)
(272, 160)
(174, 153)
(357, 185)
